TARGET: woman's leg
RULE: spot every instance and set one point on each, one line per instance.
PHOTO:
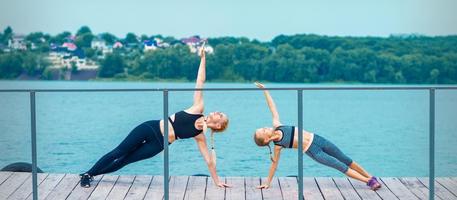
(145, 151)
(135, 139)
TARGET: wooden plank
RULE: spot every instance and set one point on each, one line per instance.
(328, 188)
(454, 179)
(398, 188)
(64, 187)
(440, 190)
(178, 185)
(289, 188)
(82, 192)
(4, 176)
(363, 190)
(250, 186)
(416, 187)
(196, 188)
(13, 183)
(346, 188)
(274, 192)
(139, 187)
(448, 184)
(26, 188)
(237, 191)
(311, 189)
(47, 185)
(104, 187)
(121, 187)
(384, 192)
(213, 192)
(155, 190)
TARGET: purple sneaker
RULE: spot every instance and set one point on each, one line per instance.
(373, 183)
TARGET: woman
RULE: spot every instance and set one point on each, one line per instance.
(315, 146)
(146, 140)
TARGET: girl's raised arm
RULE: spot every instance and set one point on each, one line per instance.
(271, 105)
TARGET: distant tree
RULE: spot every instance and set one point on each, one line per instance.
(60, 38)
(434, 76)
(83, 30)
(7, 34)
(34, 64)
(109, 38)
(131, 38)
(144, 37)
(111, 65)
(36, 37)
(84, 40)
(10, 65)
(89, 52)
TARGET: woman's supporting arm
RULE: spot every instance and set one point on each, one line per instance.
(201, 142)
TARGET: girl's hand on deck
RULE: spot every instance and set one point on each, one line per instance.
(264, 186)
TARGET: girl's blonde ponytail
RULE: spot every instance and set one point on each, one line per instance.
(271, 154)
(213, 151)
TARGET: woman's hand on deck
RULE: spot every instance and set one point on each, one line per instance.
(223, 185)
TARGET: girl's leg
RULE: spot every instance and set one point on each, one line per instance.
(356, 175)
(355, 166)
(331, 149)
(326, 159)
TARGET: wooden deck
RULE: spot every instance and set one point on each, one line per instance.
(18, 185)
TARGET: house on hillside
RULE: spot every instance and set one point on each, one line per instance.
(160, 43)
(149, 45)
(17, 42)
(118, 45)
(67, 55)
(100, 44)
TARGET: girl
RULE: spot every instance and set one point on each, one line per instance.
(315, 146)
(146, 140)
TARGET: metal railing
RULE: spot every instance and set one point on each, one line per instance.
(299, 90)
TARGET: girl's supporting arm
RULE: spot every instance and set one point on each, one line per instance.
(274, 165)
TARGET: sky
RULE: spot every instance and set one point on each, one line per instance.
(254, 19)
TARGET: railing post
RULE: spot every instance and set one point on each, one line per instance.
(432, 145)
(165, 146)
(300, 144)
(34, 154)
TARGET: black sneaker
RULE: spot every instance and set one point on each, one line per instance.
(85, 180)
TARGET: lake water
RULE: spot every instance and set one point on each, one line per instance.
(384, 131)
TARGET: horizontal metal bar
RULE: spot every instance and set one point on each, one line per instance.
(232, 89)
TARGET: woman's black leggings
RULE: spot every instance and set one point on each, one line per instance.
(144, 141)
